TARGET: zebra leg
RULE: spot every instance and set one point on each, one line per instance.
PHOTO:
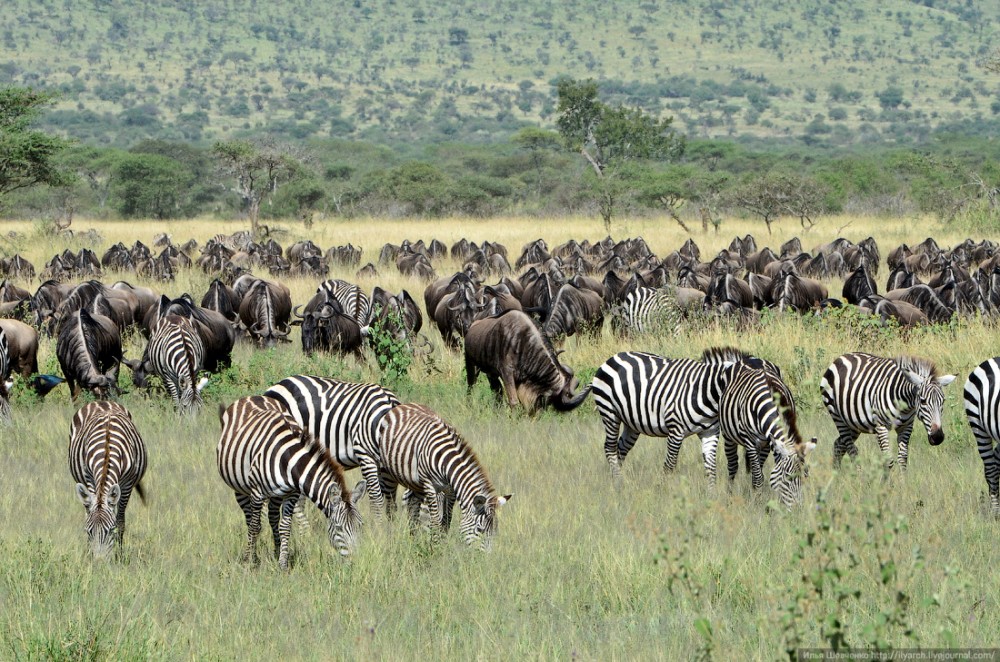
(903, 442)
(882, 434)
(611, 428)
(300, 515)
(413, 501)
(756, 472)
(370, 472)
(673, 450)
(120, 523)
(732, 460)
(432, 504)
(447, 507)
(844, 444)
(709, 449)
(251, 511)
(992, 469)
(274, 519)
(285, 529)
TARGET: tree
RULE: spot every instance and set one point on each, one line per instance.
(671, 188)
(257, 167)
(536, 141)
(611, 137)
(773, 194)
(890, 98)
(150, 186)
(27, 157)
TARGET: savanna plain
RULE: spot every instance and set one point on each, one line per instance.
(662, 567)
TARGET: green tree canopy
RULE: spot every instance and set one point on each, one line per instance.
(27, 157)
(150, 186)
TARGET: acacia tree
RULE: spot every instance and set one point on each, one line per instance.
(773, 194)
(536, 141)
(27, 157)
(610, 138)
(257, 167)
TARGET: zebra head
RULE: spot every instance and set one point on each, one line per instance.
(789, 470)
(102, 517)
(344, 518)
(931, 394)
(480, 521)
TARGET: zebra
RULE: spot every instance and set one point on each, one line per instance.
(868, 393)
(419, 450)
(647, 309)
(355, 303)
(662, 397)
(176, 353)
(263, 455)
(982, 407)
(107, 459)
(337, 414)
(5, 369)
(749, 417)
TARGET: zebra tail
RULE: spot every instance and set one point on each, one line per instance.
(141, 492)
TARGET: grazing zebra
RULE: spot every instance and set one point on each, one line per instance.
(661, 397)
(107, 459)
(982, 407)
(355, 303)
(420, 451)
(4, 376)
(749, 417)
(176, 353)
(646, 309)
(263, 455)
(867, 393)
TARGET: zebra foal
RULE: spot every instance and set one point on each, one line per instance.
(872, 394)
(982, 408)
(264, 455)
(420, 451)
(107, 459)
(750, 417)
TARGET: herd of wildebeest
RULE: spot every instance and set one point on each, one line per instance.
(508, 319)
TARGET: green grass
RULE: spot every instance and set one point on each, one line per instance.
(578, 568)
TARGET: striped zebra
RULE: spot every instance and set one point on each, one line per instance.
(420, 451)
(176, 353)
(749, 417)
(660, 397)
(868, 393)
(982, 407)
(647, 309)
(263, 455)
(340, 415)
(107, 459)
(4, 376)
(355, 303)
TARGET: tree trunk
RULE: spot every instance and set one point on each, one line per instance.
(254, 211)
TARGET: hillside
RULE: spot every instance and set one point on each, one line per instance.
(389, 70)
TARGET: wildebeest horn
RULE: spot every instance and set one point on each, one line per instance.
(295, 311)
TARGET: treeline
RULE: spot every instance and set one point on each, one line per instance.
(532, 174)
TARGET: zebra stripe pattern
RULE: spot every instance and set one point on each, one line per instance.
(263, 455)
(749, 417)
(660, 397)
(872, 394)
(176, 353)
(645, 310)
(339, 415)
(355, 303)
(420, 451)
(4, 376)
(982, 408)
(107, 459)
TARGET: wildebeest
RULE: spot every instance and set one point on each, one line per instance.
(396, 314)
(265, 312)
(511, 349)
(327, 329)
(859, 285)
(89, 349)
(455, 312)
(572, 311)
(791, 291)
(22, 347)
(222, 299)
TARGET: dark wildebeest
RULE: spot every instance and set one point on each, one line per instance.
(328, 329)
(535, 252)
(926, 299)
(265, 312)
(791, 291)
(511, 349)
(397, 314)
(89, 349)
(454, 313)
(859, 285)
(222, 299)
(442, 287)
(574, 311)
(216, 332)
(905, 314)
(22, 347)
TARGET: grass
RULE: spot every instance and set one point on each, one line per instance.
(664, 568)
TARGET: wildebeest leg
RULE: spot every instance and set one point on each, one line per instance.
(509, 385)
(471, 373)
(74, 388)
(496, 388)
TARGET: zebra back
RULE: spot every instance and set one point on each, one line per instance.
(339, 415)
(176, 353)
(648, 310)
(355, 303)
(107, 458)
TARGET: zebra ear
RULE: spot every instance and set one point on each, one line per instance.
(945, 380)
(114, 495)
(83, 495)
(479, 503)
(359, 492)
(914, 377)
(504, 499)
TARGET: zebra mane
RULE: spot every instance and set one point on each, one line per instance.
(923, 367)
(787, 410)
(723, 355)
(316, 445)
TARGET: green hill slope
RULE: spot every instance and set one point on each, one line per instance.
(387, 69)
